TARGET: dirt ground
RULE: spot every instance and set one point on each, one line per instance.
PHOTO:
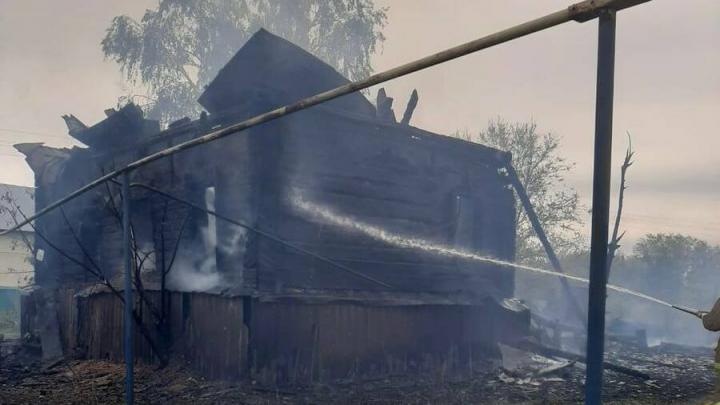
(678, 376)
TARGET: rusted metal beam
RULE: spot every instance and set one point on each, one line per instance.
(578, 12)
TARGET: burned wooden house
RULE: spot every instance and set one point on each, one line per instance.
(344, 243)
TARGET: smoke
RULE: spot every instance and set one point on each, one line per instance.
(667, 326)
(662, 326)
(193, 275)
(235, 243)
(196, 269)
(627, 316)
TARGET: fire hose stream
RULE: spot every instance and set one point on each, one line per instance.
(327, 215)
(331, 217)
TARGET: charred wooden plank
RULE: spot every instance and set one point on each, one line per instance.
(549, 351)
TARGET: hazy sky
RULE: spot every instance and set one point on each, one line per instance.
(667, 87)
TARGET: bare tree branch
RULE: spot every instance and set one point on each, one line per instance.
(614, 243)
(62, 252)
(100, 276)
(9, 199)
(111, 200)
(138, 261)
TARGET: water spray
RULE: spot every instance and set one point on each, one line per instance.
(329, 216)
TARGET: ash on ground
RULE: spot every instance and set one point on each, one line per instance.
(677, 375)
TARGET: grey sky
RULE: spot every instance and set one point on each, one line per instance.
(667, 87)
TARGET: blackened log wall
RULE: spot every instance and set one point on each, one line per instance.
(407, 182)
(402, 180)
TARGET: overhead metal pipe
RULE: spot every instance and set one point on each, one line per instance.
(600, 207)
(580, 12)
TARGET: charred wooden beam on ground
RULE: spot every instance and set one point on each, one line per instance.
(549, 351)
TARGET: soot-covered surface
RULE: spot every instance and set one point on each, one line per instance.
(685, 376)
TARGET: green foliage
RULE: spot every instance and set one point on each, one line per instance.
(542, 171)
(680, 254)
(175, 50)
(680, 267)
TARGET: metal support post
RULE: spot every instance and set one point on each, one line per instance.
(600, 207)
(128, 291)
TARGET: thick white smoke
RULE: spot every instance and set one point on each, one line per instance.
(196, 269)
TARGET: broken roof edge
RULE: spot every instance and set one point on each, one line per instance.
(38, 155)
(501, 156)
(211, 122)
(128, 124)
(27, 148)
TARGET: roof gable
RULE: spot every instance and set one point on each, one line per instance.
(269, 72)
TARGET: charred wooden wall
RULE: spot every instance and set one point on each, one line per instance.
(85, 235)
(286, 340)
(215, 335)
(304, 341)
(399, 179)
(207, 331)
(395, 179)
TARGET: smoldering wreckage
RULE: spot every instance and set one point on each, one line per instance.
(310, 259)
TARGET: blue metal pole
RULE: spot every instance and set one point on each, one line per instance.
(600, 207)
(128, 291)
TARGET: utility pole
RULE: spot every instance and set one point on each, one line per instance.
(128, 292)
(600, 206)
